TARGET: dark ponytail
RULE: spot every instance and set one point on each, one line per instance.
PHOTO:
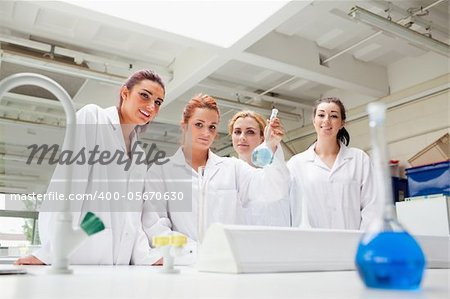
(343, 136)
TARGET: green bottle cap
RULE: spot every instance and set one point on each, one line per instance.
(91, 224)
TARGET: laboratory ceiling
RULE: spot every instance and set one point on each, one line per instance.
(305, 50)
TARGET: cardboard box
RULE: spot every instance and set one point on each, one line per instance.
(438, 151)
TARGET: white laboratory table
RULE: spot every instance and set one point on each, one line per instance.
(146, 282)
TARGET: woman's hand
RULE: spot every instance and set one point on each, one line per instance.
(158, 262)
(28, 260)
(276, 133)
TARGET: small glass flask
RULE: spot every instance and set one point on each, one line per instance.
(262, 155)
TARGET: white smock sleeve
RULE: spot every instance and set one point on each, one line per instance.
(142, 253)
(156, 218)
(371, 206)
(270, 183)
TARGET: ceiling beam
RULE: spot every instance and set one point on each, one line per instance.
(59, 67)
(212, 85)
(299, 57)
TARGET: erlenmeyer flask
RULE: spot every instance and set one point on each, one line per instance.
(262, 155)
(388, 257)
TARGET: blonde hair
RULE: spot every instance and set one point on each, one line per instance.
(247, 113)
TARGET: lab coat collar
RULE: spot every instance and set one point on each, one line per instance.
(178, 158)
(214, 159)
(212, 165)
(310, 154)
(344, 152)
(343, 156)
(113, 116)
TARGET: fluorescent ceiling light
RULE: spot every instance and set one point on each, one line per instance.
(221, 23)
(52, 66)
(412, 36)
(25, 43)
(263, 111)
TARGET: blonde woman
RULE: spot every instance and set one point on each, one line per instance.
(246, 129)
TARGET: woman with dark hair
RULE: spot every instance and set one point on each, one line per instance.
(115, 172)
(334, 180)
(214, 189)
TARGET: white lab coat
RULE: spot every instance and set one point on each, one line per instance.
(231, 185)
(342, 197)
(276, 213)
(123, 241)
(268, 214)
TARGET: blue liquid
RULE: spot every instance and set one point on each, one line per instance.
(390, 260)
(262, 156)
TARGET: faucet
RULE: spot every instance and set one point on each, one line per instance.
(65, 238)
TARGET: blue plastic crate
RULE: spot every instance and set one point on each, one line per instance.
(429, 179)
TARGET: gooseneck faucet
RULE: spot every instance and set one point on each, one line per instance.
(65, 238)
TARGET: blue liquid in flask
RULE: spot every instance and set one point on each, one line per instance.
(390, 260)
(262, 156)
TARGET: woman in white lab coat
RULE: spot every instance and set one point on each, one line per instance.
(246, 129)
(229, 183)
(112, 130)
(334, 180)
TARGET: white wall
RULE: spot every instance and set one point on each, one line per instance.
(415, 70)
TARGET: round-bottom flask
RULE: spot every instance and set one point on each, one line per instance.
(262, 156)
(390, 259)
